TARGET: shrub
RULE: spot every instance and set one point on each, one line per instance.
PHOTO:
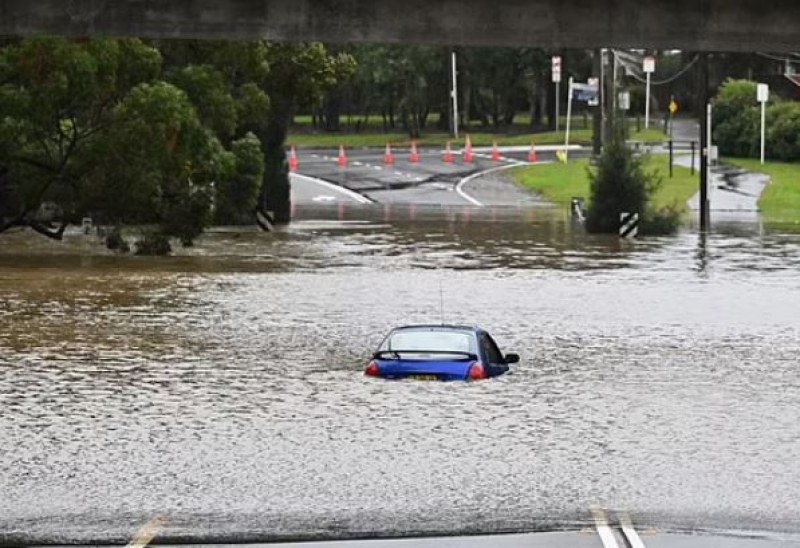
(153, 243)
(661, 222)
(619, 184)
(783, 132)
(737, 124)
(115, 241)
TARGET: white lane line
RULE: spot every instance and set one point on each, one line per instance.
(627, 529)
(605, 532)
(465, 180)
(147, 533)
(346, 191)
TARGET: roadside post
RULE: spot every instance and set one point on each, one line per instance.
(673, 110)
(672, 156)
(762, 94)
(649, 69)
(628, 225)
(556, 70)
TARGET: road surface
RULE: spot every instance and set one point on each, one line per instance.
(429, 181)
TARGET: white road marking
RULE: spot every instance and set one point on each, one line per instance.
(630, 533)
(346, 191)
(465, 180)
(147, 533)
(605, 532)
(357, 163)
(322, 198)
(315, 155)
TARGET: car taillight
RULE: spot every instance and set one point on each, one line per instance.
(477, 372)
(372, 370)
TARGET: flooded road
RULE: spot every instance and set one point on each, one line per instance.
(223, 388)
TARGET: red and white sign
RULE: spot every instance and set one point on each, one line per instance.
(556, 69)
(649, 64)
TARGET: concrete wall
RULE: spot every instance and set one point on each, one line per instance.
(711, 25)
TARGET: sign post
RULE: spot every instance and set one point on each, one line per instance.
(454, 94)
(556, 69)
(762, 94)
(565, 155)
(649, 68)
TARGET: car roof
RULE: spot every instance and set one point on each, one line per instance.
(439, 327)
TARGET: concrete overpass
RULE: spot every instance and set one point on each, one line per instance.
(703, 25)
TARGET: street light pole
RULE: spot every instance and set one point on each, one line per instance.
(705, 144)
(454, 95)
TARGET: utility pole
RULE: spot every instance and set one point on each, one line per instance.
(454, 94)
(597, 136)
(705, 143)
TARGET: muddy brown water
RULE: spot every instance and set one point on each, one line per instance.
(223, 388)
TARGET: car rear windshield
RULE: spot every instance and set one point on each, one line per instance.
(431, 341)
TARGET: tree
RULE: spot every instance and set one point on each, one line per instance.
(299, 76)
(167, 157)
(237, 191)
(620, 184)
(57, 99)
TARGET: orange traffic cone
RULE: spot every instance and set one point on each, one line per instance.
(532, 154)
(448, 154)
(293, 160)
(495, 153)
(414, 157)
(388, 157)
(468, 157)
(342, 161)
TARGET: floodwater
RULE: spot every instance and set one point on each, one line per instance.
(223, 388)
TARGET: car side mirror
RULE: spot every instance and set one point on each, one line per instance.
(512, 358)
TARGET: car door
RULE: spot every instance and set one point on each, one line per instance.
(496, 364)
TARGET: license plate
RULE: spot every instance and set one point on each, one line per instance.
(424, 377)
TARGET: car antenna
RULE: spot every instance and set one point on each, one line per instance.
(441, 302)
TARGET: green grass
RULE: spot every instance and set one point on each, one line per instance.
(361, 140)
(559, 183)
(781, 199)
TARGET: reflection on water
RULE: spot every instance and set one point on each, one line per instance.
(223, 387)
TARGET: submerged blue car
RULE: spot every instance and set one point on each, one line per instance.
(439, 353)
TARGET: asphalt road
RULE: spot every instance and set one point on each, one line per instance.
(429, 181)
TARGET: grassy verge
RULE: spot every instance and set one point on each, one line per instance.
(559, 183)
(781, 199)
(361, 140)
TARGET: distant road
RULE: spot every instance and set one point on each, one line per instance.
(429, 181)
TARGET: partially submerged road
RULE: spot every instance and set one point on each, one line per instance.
(431, 180)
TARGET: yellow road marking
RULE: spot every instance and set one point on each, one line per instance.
(147, 533)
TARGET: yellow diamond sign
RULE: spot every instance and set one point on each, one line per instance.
(673, 107)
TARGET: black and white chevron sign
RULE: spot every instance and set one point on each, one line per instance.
(628, 225)
(265, 220)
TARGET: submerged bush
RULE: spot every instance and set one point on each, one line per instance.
(115, 241)
(153, 243)
(621, 184)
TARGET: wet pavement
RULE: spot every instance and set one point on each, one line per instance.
(223, 388)
(428, 181)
